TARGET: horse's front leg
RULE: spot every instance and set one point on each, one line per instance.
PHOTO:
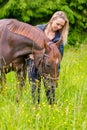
(21, 79)
(21, 75)
(2, 80)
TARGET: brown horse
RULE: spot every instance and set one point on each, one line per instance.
(17, 41)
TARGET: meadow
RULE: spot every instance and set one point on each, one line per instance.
(68, 113)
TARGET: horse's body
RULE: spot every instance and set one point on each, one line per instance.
(17, 41)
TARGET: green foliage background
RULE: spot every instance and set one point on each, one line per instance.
(40, 11)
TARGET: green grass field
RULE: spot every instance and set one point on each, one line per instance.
(70, 110)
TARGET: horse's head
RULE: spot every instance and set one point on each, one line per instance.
(47, 61)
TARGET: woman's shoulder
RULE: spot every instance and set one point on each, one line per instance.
(41, 26)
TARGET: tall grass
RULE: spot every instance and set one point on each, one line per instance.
(70, 110)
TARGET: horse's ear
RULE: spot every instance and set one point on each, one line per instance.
(59, 42)
(47, 47)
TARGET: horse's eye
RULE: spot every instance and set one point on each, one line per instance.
(48, 65)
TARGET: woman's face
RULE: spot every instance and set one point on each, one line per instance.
(57, 24)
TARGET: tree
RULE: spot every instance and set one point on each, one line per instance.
(40, 11)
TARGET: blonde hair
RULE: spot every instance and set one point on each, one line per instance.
(64, 30)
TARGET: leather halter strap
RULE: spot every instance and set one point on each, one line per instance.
(44, 74)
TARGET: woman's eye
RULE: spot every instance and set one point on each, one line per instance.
(59, 25)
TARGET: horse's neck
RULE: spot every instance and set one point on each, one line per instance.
(28, 31)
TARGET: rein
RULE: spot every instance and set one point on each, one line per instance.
(49, 77)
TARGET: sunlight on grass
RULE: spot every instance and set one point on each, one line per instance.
(68, 113)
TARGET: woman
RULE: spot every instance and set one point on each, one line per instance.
(56, 27)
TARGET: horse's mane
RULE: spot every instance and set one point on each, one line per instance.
(26, 30)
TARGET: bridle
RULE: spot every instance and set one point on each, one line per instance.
(41, 62)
